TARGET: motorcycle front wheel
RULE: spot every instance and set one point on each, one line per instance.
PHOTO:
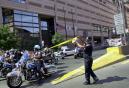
(14, 82)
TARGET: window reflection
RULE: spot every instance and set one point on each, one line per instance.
(17, 17)
(19, 1)
(17, 23)
(26, 18)
(27, 21)
(44, 25)
(35, 19)
(27, 24)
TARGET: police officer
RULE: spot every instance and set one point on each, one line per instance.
(39, 60)
(87, 49)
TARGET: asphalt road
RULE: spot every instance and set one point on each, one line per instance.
(115, 76)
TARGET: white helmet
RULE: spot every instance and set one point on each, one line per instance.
(36, 47)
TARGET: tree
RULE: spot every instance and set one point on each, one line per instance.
(8, 39)
(57, 38)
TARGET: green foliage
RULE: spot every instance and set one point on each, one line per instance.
(8, 39)
(57, 38)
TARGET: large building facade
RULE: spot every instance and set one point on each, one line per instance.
(37, 20)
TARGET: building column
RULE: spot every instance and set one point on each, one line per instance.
(102, 36)
(92, 38)
(1, 16)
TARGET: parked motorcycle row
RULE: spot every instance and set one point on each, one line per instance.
(17, 66)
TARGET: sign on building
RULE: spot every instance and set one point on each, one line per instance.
(118, 19)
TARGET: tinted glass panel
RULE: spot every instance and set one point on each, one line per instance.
(17, 23)
(44, 23)
(27, 24)
(35, 25)
(17, 17)
(44, 28)
(35, 19)
(18, 11)
(27, 13)
(36, 30)
(26, 18)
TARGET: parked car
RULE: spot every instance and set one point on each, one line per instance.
(68, 51)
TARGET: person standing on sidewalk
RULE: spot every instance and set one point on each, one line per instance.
(88, 60)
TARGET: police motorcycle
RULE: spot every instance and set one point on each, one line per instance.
(14, 78)
(26, 68)
(7, 65)
(78, 53)
(49, 56)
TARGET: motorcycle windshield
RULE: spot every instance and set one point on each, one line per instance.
(1, 59)
(24, 58)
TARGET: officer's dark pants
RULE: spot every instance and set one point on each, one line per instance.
(88, 69)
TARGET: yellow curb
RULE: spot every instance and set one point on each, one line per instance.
(112, 56)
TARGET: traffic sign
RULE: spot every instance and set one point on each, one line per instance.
(119, 23)
(118, 19)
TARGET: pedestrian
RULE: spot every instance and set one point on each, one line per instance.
(88, 60)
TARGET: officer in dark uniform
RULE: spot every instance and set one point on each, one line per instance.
(87, 48)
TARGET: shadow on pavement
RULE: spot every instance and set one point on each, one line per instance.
(111, 79)
(45, 80)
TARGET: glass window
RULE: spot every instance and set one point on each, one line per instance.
(26, 18)
(17, 17)
(44, 23)
(23, 1)
(19, 1)
(35, 20)
(27, 24)
(28, 29)
(27, 13)
(17, 23)
(36, 30)
(5, 20)
(18, 11)
(35, 14)
(35, 25)
(44, 28)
